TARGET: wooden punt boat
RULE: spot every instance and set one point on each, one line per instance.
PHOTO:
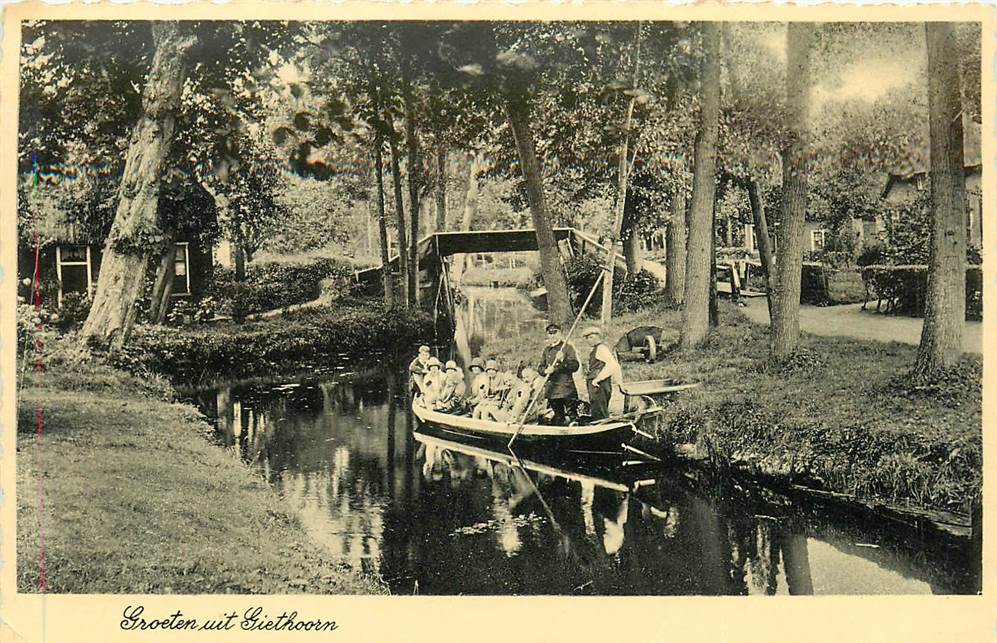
(655, 387)
(598, 437)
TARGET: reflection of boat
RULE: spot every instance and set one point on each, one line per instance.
(577, 471)
(610, 434)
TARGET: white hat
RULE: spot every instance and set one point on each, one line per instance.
(591, 330)
(433, 362)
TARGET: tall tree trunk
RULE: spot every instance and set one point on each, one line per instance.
(239, 249)
(714, 304)
(695, 315)
(622, 178)
(475, 161)
(785, 326)
(382, 226)
(403, 249)
(675, 246)
(162, 287)
(558, 304)
(441, 188)
(767, 259)
(945, 309)
(631, 236)
(126, 255)
(414, 187)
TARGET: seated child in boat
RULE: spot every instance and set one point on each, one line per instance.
(432, 383)
(478, 389)
(451, 397)
(498, 388)
(518, 400)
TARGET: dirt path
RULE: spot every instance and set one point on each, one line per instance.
(851, 321)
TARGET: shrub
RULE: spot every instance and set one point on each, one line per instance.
(294, 341)
(629, 292)
(871, 255)
(904, 288)
(271, 286)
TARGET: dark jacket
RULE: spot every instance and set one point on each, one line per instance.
(561, 384)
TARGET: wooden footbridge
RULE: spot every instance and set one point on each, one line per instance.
(434, 282)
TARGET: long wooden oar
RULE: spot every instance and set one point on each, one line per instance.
(536, 394)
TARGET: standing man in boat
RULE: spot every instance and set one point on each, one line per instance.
(559, 362)
(603, 371)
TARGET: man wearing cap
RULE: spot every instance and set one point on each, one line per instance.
(418, 369)
(559, 363)
(603, 371)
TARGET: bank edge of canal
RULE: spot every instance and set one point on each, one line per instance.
(841, 423)
(138, 498)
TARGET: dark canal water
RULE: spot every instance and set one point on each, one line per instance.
(438, 518)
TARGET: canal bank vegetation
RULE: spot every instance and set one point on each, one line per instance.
(841, 415)
(305, 339)
(137, 499)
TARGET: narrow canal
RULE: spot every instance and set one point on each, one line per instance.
(437, 518)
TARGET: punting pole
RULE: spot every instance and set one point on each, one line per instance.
(631, 449)
(529, 407)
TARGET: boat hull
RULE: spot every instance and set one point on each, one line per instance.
(603, 438)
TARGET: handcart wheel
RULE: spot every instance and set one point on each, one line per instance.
(650, 350)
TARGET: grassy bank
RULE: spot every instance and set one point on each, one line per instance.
(842, 415)
(138, 500)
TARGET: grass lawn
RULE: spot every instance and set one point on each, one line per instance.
(843, 414)
(137, 500)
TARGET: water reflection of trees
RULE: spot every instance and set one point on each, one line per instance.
(349, 465)
(492, 312)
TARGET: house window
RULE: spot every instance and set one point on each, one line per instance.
(181, 272)
(817, 239)
(73, 270)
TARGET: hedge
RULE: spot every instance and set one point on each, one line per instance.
(904, 288)
(272, 286)
(629, 292)
(304, 339)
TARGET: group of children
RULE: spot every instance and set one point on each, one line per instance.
(493, 394)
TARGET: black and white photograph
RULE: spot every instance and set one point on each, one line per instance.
(439, 307)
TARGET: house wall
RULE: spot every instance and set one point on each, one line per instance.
(903, 190)
(200, 267)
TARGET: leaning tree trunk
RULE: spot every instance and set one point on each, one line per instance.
(767, 258)
(162, 287)
(414, 200)
(945, 309)
(675, 243)
(622, 178)
(441, 188)
(558, 304)
(695, 315)
(475, 161)
(382, 227)
(785, 327)
(403, 263)
(127, 250)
